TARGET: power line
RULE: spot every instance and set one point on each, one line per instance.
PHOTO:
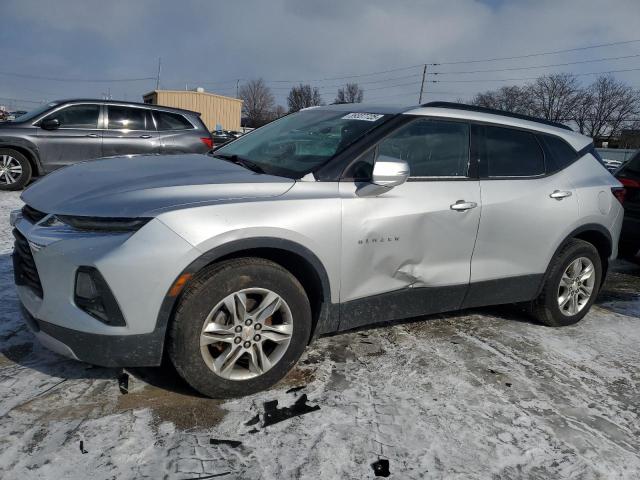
(79, 80)
(538, 66)
(531, 78)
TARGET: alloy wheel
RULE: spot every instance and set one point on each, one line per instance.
(246, 334)
(576, 286)
(10, 169)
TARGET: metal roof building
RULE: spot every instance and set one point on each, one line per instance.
(215, 109)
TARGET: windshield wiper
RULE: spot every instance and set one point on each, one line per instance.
(243, 162)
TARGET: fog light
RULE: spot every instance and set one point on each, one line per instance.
(92, 294)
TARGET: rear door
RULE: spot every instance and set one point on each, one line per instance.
(78, 138)
(130, 130)
(525, 214)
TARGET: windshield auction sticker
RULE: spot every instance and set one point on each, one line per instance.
(367, 117)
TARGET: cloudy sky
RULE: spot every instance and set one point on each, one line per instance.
(214, 43)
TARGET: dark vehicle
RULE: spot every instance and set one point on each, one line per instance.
(220, 137)
(629, 176)
(64, 132)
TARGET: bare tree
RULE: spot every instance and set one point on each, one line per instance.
(554, 97)
(279, 111)
(352, 93)
(608, 106)
(510, 99)
(303, 96)
(257, 102)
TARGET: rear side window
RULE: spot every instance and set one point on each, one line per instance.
(77, 116)
(511, 153)
(432, 148)
(126, 118)
(560, 153)
(171, 121)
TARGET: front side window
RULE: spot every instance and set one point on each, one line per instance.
(126, 118)
(299, 143)
(77, 116)
(509, 152)
(432, 148)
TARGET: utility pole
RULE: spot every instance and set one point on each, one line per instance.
(237, 87)
(158, 77)
(424, 74)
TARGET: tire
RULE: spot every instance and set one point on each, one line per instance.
(209, 300)
(15, 170)
(547, 307)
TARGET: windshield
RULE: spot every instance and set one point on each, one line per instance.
(36, 112)
(301, 142)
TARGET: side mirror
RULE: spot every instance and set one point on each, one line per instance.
(50, 124)
(388, 172)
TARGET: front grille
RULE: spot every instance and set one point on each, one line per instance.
(31, 214)
(24, 267)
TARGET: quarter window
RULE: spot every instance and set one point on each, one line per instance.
(560, 152)
(171, 121)
(77, 116)
(511, 153)
(126, 118)
(432, 148)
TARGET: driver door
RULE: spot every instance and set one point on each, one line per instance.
(407, 252)
(78, 138)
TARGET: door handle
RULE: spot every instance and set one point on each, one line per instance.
(92, 135)
(559, 194)
(145, 136)
(461, 206)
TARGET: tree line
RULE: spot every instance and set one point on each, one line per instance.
(601, 109)
(259, 104)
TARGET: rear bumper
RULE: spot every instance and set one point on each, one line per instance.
(143, 350)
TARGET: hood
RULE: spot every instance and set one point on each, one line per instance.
(145, 185)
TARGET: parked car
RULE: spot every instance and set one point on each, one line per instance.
(629, 176)
(220, 137)
(64, 132)
(233, 262)
(15, 114)
(612, 165)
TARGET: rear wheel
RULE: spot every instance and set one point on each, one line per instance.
(571, 285)
(15, 170)
(240, 327)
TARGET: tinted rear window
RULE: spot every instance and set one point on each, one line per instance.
(126, 118)
(561, 154)
(511, 153)
(171, 121)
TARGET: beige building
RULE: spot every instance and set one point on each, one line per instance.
(215, 109)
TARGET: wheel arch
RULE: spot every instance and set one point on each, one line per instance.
(295, 258)
(29, 153)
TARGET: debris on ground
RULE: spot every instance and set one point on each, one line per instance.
(381, 468)
(273, 414)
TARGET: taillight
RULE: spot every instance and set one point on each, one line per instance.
(208, 141)
(619, 193)
(628, 182)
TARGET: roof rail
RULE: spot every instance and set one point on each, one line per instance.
(473, 108)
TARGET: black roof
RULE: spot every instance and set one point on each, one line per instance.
(493, 111)
(122, 102)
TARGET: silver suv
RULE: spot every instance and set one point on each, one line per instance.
(68, 131)
(324, 220)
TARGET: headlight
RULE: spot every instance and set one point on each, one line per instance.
(102, 224)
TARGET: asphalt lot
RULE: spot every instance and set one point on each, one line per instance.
(479, 394)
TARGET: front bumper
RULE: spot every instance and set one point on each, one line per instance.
(139, 269)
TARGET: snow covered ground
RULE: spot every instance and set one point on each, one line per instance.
(479, 394)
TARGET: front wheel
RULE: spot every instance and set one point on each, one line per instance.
(15, 170)
(571, 286)
(241, 325)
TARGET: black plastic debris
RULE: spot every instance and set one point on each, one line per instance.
(493, 371)
(295, 389)
(455, 343)
(82, 450)
(508, 384)
(253, 421)
(273, 414)
(367, 342)
(210, 476)
(253, 430)
(381, 468)
(123, 383)
(231, 443)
